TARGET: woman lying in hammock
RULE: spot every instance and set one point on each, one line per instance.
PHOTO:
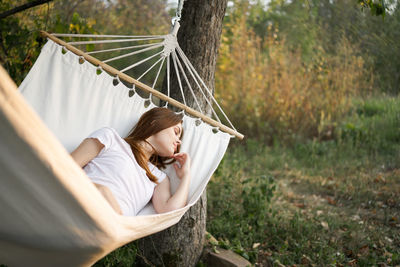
(126, 170)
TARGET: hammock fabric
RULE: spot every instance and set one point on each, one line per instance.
(52, 215)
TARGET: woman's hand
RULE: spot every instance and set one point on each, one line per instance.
(163, 201)
(183, 169)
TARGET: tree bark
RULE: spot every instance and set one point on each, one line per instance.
(199, 37)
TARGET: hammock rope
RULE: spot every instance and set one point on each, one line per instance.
(158, 72)
(133, 53)
(148, 54)
(178, 76)
(111, 41)
(183, 69)
(168, 79)
(114, 72)
(140, 62)
(85, 35)
(119, 49)
(196, 80)
(149, 69)
(179, 11)
(188, 83)
(54, 215)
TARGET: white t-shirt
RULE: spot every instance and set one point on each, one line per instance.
(116, 168)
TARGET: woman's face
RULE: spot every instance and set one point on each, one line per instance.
(166, 141)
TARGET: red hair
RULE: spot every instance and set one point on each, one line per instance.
(150, 123)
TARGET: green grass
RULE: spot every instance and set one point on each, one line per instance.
(336, 202)
(124, 256)
(329, 203)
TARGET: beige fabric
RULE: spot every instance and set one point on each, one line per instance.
(73, 101)
(52, 215)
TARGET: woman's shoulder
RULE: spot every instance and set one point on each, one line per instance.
(106, 135)
(107, 130)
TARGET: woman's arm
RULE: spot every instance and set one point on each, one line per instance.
(86, 151)
(162, 199)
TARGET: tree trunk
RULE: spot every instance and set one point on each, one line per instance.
(199, 38)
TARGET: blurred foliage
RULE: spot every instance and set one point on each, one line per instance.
(18, 43)
(290, 68)
(287, 73)
(280, 63)
(20, 40)
(283, 91)
(377, 7)
(307, 23)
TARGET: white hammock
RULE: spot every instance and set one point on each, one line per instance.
(52, 215)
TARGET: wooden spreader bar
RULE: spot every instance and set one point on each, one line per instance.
(142, 86)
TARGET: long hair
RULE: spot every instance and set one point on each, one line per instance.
(150, 123)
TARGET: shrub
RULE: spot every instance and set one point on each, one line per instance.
(239, 204)
(269, 90)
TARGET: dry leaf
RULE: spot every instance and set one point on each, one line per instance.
(305, 260)
(278, 263)
(299, 205)
(392, 221)
(348, 252)
(380, 179)
(268, 253)
(325, 225)
(331, 201)
(353, 262)
(391, 202)
(364, 250)
(388, 239)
